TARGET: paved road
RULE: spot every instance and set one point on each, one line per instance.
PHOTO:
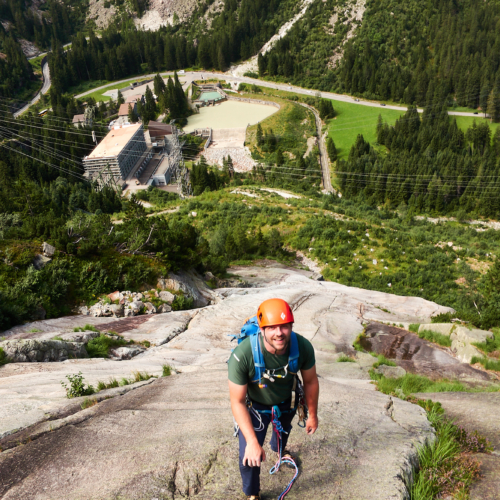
(44, 90)
(323, 158)
(197, 75)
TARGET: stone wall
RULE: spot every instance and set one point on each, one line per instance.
(253, 101)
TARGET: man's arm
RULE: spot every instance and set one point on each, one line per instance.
(254, 452)
(311, 392)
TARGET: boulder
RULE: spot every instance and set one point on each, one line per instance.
(464, 352)
(192, 285)
(82, 337)
(442, 328)
(114, 296)
(96, 310)
(48, 250)
(83, 310)
(117, 310)
(21, 351)
(469, 336)
(151, 309)
(164, 308)
(166, 297)
(416, 355)
(317, 277)
(39, 261)
(123, 353)
(391, 371)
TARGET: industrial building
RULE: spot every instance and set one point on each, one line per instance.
(122, 152)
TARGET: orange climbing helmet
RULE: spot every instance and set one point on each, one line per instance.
(274, 312)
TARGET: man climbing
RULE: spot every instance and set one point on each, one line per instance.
(258, 393)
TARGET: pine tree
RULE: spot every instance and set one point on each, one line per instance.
(332, 150)
(132, 116)
(230, 166)
(119, 99)
(493, 107)
(259, 135)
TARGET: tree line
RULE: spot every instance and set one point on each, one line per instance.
(430, 166)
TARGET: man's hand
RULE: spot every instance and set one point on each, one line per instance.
(311, 424)
(254, 455)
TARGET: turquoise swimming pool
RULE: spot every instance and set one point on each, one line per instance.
(210, 96)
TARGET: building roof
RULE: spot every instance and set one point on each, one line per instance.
(114, 142)
(158, 129)
(133, 98)
(78, 118)
(123, 111)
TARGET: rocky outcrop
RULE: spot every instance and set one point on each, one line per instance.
(20, 351)
(417, 355)
(123, 353)
(192, 285)
(178, 429)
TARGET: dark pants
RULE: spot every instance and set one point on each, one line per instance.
(251, 475)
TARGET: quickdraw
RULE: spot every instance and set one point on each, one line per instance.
(278, 429)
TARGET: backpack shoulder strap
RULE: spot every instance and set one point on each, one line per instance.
(258, 358)
(293, 358)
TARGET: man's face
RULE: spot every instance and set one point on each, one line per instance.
(278, 336)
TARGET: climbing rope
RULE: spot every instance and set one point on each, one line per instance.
(278, 429)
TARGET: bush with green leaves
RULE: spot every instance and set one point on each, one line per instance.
(99, 347)
(76, 387)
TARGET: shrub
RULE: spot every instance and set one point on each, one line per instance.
(345, 359)
(167, 371)
(76, 387)
(182, 303)
(442, 318)
(490, 345)
(414, 327)
(3, 357)
(99, 347)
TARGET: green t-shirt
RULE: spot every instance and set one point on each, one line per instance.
(242, 370)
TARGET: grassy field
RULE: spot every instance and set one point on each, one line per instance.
(353, 119)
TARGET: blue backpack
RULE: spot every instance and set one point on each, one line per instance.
(251, 329)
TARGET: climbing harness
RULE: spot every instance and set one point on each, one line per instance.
(278, 429)
(251, 329)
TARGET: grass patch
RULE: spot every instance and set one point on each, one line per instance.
(136, 377)
(57, 337)
(414, 327)
(446, 467)
(345, 359)
(34, 330)
(437, 338)
(88, 402)
(87, 327)
(100, 346)
(167, 371)
(488, 363)
(490, 345)
(382, 360)
(357, 343)
(403, 387)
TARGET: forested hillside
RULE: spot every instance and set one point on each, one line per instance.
(399, 51)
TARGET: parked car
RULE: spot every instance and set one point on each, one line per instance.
(382, 104)
(357, 100)
(475, 112)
